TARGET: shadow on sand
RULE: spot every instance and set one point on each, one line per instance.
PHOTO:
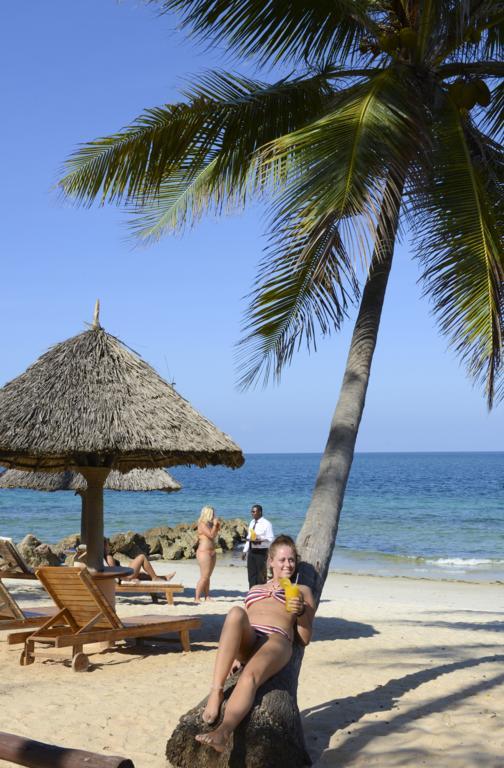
(338, 714)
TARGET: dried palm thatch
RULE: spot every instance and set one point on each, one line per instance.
(135, 480)
(91, 402)
(92, 405)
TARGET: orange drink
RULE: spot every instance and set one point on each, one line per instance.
(291, 591)
(253, 535)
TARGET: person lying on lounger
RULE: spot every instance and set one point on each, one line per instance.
(260, 636)
(142, 569)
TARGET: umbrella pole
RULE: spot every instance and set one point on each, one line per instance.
(84, 522)
(95, 479)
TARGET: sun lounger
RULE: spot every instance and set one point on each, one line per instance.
(13, 566)
(85, 617)
(13, 617)
(22, 751)
(153, 588)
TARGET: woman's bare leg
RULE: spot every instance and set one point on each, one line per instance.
(266, 662)
(141, 562)
(213, 560)
(237, 641)
(203, 557)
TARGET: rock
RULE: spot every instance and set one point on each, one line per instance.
(130, 544)
(158, 530)
(172, 551)
(154, 538)
(154, 544)
(34, 553)
(69, 542)
(232, 533)
(180, 541)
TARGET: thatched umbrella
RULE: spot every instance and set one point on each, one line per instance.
(90, 404)
(135, 480)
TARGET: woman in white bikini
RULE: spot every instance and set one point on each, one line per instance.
(259, 636)
(208, 528)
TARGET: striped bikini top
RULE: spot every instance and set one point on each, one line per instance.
(261, 592)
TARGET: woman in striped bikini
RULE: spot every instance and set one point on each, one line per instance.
(259, 636)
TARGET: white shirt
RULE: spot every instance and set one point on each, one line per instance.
(264, 531)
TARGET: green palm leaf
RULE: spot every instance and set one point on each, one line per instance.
(493, 121)
(337, 168)
(338, 163)
(302, 289)
(226, 119)
(460, 227)
(300, 30)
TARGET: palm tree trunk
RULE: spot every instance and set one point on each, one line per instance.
(273, 727)
(318, 535)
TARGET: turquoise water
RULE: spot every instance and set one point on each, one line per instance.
(414, 514)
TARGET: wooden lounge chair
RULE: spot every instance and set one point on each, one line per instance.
(13, 566)
(85, 617)
(13, 617)
(153, 588)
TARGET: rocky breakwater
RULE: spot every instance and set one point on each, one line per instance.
(160, 543)
(177, 543)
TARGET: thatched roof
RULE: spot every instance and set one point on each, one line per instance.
(90, 401)
(136, 480)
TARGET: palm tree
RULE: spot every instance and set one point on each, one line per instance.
(394, 113)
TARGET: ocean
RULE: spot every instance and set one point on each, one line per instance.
(423, 515)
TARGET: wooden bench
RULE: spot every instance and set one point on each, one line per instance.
(152, 588)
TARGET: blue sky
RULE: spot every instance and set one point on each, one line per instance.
(77, 70)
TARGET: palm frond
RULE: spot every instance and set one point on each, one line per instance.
(474, 31)
(338, 164)
(181, 197)
(303, 288)
(460, 231)
(336, 181)
(299, 30)
(491, 19)
(493, 121)
(226, 119)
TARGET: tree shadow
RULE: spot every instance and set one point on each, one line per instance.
(327, 628)
(486, 626)
(463, 610)
(338, 714)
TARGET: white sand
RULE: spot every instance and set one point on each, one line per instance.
(400, 672)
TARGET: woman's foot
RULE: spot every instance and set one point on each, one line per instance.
(168, 577)
(218, 739)
(211, 713)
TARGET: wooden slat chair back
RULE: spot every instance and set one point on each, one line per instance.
(74, 592)
(12, 560)
(12, 616)
(85, 617)
(9, 609)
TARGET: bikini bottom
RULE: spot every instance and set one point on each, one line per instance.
(264, 630)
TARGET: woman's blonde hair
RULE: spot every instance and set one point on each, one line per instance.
(206, 515)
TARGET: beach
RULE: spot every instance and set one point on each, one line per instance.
(400, 672)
